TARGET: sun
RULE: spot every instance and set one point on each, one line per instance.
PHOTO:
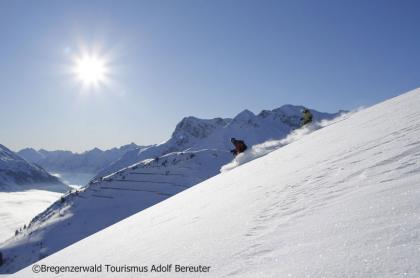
(91, 70)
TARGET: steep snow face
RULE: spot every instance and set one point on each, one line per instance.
(18, 174)
(87, 162)
(197, 134)
(108, 200)
(341, 201)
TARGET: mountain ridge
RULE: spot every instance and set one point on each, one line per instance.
(192, 133)
(90, 161)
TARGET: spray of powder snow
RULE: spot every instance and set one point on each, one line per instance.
(264, 148)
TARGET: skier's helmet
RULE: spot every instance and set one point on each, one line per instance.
(232, 139)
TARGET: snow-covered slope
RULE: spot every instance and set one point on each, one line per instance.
(65, 161)
(343, 201)
(197, 134)
(18, 174)
(186, 159)
(106, 201)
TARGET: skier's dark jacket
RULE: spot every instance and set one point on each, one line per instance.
(307, 117)
(240, 146)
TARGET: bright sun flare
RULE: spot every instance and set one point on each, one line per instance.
(91, 70)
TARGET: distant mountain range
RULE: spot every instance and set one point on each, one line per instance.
(66, 161)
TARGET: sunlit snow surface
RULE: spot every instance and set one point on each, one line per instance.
(343, 201)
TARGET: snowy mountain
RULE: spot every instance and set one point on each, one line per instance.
(195, 152)
(342, 201)
(18, 174)
(197, 134)
(65, 161)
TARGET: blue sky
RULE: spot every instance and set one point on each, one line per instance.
(170, 59)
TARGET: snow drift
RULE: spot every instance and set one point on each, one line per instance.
(343, 201)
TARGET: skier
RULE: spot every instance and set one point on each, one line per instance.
(240, 146)
(307, 117)
(1, 259)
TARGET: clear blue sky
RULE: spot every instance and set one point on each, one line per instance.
(170, 59)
